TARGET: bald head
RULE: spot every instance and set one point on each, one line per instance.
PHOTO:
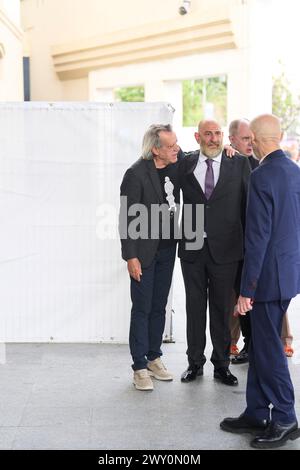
(266, 127)
(208, 123)
(267, 134)
(210, 138)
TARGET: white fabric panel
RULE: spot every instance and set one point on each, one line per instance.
(61, 166)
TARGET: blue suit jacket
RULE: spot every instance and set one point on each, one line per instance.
(272, 241)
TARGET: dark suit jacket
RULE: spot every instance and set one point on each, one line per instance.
(141, 184)
(253, 162)
(272, 244)
(224, 211)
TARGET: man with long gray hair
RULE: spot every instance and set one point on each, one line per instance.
(150, 188)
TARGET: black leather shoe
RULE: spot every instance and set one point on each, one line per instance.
(225, 376)
(276, 435)
(244, 424)
(191, 373)
(241, 358)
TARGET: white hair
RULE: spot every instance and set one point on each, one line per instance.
(151, 139)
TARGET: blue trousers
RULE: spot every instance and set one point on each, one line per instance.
(269, 379)
(149, 299)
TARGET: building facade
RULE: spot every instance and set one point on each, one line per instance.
(11, 51)
(84, 50)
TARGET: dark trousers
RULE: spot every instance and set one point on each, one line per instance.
(269, 379)
(204, 279)
(245, 322)
(149, 299)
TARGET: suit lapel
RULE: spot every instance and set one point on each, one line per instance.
(152, 172)
(190, 174)
(224, 176)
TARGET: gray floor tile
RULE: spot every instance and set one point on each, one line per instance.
(11, 415)
(81, 396)
(7, 436)
(55, 416)
(52, 437)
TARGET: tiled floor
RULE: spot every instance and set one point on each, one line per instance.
(80, 396)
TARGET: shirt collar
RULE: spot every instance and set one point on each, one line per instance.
(217, 159)
(262, 159)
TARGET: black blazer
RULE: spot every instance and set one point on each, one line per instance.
(141, 184)
(224, 212)
(253, 162)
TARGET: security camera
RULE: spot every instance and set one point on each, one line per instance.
(185, 7)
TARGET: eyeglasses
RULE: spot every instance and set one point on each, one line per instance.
(171, 147)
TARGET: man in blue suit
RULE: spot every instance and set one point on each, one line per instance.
(270, 279)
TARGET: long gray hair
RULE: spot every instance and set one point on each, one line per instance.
(151, 139)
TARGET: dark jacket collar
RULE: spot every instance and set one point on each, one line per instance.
(276, 154)
(253, 162)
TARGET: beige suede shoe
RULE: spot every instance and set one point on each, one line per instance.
(158, 370)
(142, 380)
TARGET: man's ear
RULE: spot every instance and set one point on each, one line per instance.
(154, 150)
(231, 139)
(197, 137)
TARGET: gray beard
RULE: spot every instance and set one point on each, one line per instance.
(214, 155)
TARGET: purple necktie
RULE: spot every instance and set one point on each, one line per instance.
(209, 178)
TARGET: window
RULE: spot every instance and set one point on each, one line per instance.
(204, 98)
(132, 93)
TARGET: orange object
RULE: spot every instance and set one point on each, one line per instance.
(234, 350)
(288, 351)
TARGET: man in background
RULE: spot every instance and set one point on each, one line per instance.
(240, 139)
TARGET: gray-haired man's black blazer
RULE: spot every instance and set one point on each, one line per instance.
(141, 184)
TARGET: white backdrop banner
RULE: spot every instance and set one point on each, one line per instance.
(61, 165)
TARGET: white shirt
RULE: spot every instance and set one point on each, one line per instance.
(200, 170)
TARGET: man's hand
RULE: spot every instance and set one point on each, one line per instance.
(134, 268)
(230, 152)
(244, 305)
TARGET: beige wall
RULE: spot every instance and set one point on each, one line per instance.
(59, 23)
(75, 19)
(11, 52)
(54, 22)
(82, 49)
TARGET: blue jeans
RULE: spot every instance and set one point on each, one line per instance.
(149, 299)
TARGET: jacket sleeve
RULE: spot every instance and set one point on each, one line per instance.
(131, 193)
(258, 232)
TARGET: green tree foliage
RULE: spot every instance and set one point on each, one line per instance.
(198, 94)
(132, 93)
(285, 105)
